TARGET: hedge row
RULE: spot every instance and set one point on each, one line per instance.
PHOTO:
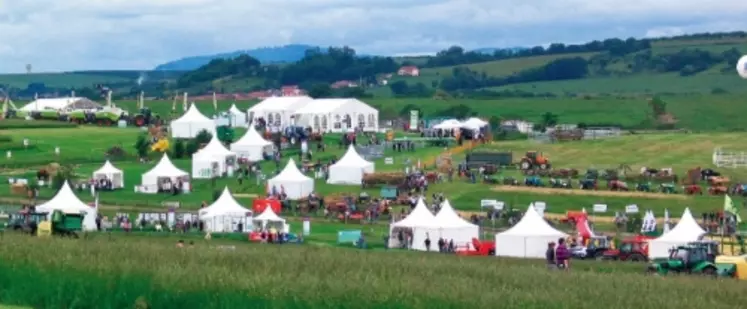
(34, 124)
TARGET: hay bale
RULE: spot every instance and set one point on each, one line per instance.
(19, 189)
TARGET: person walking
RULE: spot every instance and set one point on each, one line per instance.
(562, 255)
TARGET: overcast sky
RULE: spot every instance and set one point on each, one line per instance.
(58, 35)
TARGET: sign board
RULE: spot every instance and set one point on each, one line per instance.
(499, 205)
(122, 124)
(540, 207)
(631, 209)
(306, 227)
(57, 150)
(171, 204)
(414, 117)
(388, 161)
(600, 208)
(348, 236)
(488, 203)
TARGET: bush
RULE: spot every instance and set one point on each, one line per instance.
(34, 124)
(116, 152)
(5, 139)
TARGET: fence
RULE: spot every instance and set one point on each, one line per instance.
(729, 159)
(588, 134)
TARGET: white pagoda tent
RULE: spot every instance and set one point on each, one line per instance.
(350, 168)
(296, 184)
(213, 160)
(252, 146)
(278, 111)
(66, 202)
(226, 214)
(453, 227)
(113, 174)
(338, 116)
(528, 238)
(449, 124)
(474, 123)
(687, 230)
(268, 218)
(421, 223)
(237, 118)
(164, 171)
(191, 123)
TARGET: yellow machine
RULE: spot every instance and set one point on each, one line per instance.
(162, 145)
(389, 135)
(739, 263)
(44, 229)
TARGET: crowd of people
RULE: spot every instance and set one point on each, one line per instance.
(558, 256)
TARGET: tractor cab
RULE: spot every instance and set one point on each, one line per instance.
(692, 259)
(632, 249)
(711, 247)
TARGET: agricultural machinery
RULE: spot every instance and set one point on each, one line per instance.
(533, 159)
(617, 185)
(481, 248)
(145, 117)
(588, 184)
(693, 189)
(62, 224)
(643, 187)
(25, 222)
(9, 109)
(669, 188)
(533, 181)
(633, 249)
(561, 183)
(105, 116)
(595, 249)
(694, 258)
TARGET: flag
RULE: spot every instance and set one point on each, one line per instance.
(666, 220)
(215, 102)
(731, 208)
(96, 201)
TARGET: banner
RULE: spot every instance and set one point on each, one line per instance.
(414, 115)
(348, 236)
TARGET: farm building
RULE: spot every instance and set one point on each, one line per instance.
(409, 70)
(64, 104)
(338, 115)
(278, 111)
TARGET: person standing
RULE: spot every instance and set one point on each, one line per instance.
(550, 256)
(427, 242)
(562, 255)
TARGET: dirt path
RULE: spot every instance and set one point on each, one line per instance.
(552, 216)
(554, 191)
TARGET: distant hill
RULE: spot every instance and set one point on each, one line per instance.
(287, 53)
(492, 50)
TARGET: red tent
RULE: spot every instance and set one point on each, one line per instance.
(583, 229)
(259, 205)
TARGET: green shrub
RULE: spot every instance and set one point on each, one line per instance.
(5, 139)
(34, 124)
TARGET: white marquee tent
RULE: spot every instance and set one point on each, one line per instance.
(329, 115)
(296, 184)
(268, 218)
(66, 201)
(278, 111)
(164, 169)
(213, 160)
(350, 168)
(687, 230)
(474, 123)
(191, 123)
(528, 238)
(225, 214)
(422, 224)
(64, 104)
(448, 124)
(252, 146)
(453, 227)
(237, 117)
(108, 171)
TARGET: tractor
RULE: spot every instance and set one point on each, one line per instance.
(533, 159)
(62, 224)
(25, 222)
(481, 248)
(595, 249)
(692, 258)
(145, 117)
(588, 184)
(634, 249)
(533, 181)
(643, 187)
(105, 116)
(668, 188)
(561, 183)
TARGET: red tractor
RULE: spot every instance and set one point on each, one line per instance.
(486, 248)
(633, 249)
(693, 189)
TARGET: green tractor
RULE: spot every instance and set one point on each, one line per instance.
(696, 258)
(145, 117)
(62, 224)
(49, 114)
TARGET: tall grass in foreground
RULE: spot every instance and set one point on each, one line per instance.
(135, 273)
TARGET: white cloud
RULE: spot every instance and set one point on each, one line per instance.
(139, 34)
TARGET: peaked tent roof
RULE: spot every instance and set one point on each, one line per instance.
(193, 115)
(291, 172)
(419, 217)
(165, 168)
(108, 168)
(449, 124)
(532, 224)
(65, 201)
(235, 110)
(252, 138)
(447, 217)
(225, 205)
(281, 103)
(687, 229)
(215, 147)
(268, 215)
(352, 158)
(322, 106)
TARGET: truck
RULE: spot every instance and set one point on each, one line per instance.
(477, 159)
(105, 116)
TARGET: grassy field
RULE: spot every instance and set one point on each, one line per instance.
(154, 274)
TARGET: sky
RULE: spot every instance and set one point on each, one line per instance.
(65, 35)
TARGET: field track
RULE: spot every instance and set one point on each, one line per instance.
(553, 191)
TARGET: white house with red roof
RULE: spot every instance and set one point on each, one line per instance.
(343, 84)
(409, 70)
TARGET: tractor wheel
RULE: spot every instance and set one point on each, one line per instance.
(525, 165)
(636, 258)
(491, 252)
(545, 166)
(108, 122)
(100, 123)
(709, 271)
(139, 121)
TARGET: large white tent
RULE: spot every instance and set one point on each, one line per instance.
(66, 202)
(213, 160)
(329, 115)
(225, 214)
(528, 238)
(453, 227)
(421, 223)
(296, 184)
(252, 146)
(350, 168)
(687, 230)
(61, 104)
(191, 123)
(113, 174)
(278, 111)
(237, 118)
(162, 171)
